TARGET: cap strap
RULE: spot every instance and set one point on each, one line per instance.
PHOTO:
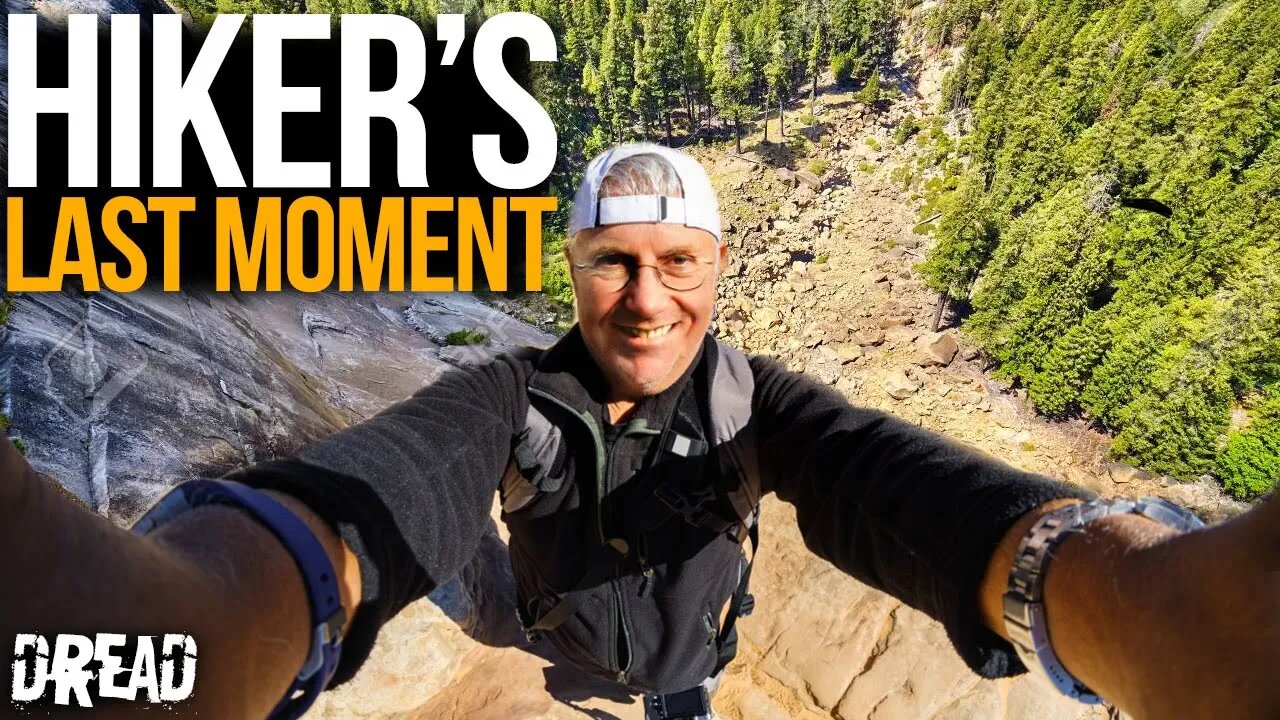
(641, 208)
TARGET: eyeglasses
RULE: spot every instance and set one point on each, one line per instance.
(616, 270)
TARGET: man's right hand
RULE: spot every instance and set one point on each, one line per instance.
(214, 573)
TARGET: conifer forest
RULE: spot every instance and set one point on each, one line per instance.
(1103, 194)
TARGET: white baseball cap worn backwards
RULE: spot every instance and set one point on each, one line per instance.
(697, 209)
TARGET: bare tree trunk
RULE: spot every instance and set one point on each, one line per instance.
(782, 119)
(938, 311)
(668, 127)
(766, 123)
(737, 133)
(689, 109)
(813, 94)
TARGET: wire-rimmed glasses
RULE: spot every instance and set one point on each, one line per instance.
(615, 270)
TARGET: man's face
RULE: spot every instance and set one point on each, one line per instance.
(644, 335)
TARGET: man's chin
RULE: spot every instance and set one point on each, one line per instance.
(645, 379)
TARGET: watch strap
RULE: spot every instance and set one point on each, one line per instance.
(1024, 611)
(327, 615)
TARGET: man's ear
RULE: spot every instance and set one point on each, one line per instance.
(723, 254)
(568, 261)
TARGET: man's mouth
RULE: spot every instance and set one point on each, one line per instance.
(646, 333)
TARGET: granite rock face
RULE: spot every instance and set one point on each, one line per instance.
(120, 397)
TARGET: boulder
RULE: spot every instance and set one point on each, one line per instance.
(937, 349)
(889, 321)
(787, 176)
(846, 353)
(1204, 497)
(900, 386)
(1123, 474)
(869, 336)
(809, 179)
(767, 317)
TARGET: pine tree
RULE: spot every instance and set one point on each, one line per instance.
(779, 69)
(659, 65)
(615, 71)
(644, 91)
(692, 79)
(729, 82)
(817, 47)
(870, 92)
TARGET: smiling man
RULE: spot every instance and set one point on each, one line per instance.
(630, 459)
(643, 329)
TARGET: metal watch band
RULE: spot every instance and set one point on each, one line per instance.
(327, 615)
(1024, 612)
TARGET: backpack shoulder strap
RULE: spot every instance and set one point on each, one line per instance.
(734, 436)
(733, 430)
(534, 448)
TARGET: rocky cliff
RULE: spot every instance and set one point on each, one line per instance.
(119, 397)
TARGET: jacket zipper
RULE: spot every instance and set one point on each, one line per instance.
(603, 465)
(635, 427)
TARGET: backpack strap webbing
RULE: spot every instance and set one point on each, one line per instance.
(740, 605)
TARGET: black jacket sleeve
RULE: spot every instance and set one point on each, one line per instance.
(899, 507)
(410, 489)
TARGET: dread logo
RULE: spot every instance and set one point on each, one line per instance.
(79, 662)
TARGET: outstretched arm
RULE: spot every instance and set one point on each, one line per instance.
(213, 573)
(399, 501)
(1143, 617)
(899, 507)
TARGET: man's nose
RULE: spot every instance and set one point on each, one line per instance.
(646, 295)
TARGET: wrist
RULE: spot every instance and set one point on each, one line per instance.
(243, 593)
(1098, 598)
(995, 581)
(273, 536)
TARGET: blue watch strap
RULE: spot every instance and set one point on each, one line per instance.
(327, 615)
